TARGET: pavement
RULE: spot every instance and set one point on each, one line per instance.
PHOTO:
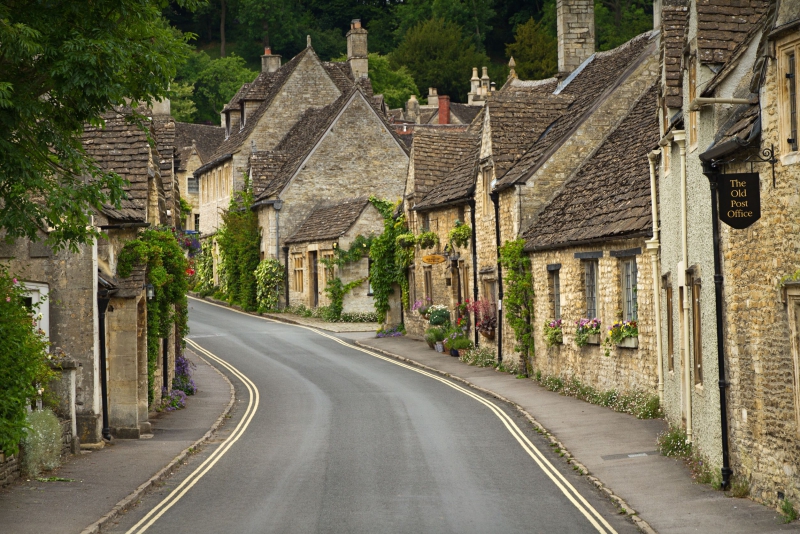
(103, 483)
(617, 451)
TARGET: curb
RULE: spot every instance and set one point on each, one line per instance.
(640, 523)
(127, 502)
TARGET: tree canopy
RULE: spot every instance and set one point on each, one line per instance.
(62, 64)
(534, 51)
(396, 86)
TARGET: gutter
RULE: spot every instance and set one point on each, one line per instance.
(121, 226)
(211, 164)
(732, 145)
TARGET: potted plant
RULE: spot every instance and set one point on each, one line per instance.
(407, 240)
(422, 307)
(459, 235)
(553, 334)
(427, 239)
(624, 334)
(458, 345)
(485, 317)
(431, 336)
(587, 332)
(439, 315)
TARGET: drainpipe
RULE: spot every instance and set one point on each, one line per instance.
(474, 245)
(286, 274)
(713, 180)
(653, 246)
(495, 196)
(277, 206)
(102, 305)
(680, 138)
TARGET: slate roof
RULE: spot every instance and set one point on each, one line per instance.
(586, 87)
(301, 139)
(609, 196)
(123, 148)
(464, 112)
(458, 183)
(133, 285)
(329, 221)
(264, 167)
(233, 103)
(206, 139)
(436, 154)
(674, 23)
(723, 25)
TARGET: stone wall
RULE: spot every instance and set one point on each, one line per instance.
(624, 369)
(216, 186)
(761, 321)
(10, 468)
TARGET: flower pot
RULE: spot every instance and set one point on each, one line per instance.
(462, 352)
(488, 334)
(629, 343)
(455, 353)
(593, 339)
(439, 346)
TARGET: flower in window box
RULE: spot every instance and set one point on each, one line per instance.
(586, 328)
(553, 332)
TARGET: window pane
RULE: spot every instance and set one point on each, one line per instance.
(556, 295)
(791, 74)
(591, 289)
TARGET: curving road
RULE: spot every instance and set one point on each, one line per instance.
(327, 437)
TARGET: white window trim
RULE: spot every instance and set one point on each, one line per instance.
(39, 294)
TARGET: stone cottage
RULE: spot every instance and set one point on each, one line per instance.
(194, 145)
(708, 56)
(314, 162)
(438, 193)
(98, 320)
(525, 164)
(589, 260)
(331, 226)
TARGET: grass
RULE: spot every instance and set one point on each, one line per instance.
(642, 404)
(54, 479)
(673, 443)
(740, 488)
(788, 511)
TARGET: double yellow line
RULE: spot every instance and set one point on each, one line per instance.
(572, 494)
(178, 493)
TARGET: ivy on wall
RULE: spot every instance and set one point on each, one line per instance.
(335, 288)
(238, 241)
(389, 260)
(166, 267)
(269, 282)
(205, 269)
(518, 297)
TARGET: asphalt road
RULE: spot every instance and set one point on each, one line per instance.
(327, 437)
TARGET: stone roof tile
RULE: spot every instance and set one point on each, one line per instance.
(436, 153)
(329, 221)
(724, 25)
(457, 184)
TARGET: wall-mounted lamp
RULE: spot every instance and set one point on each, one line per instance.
(335, 245)
(150, 291)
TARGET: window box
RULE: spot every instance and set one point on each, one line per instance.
(593, 339)
(629, 343)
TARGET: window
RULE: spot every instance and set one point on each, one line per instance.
(297, 261)
(328, 269)
(590, 288)
(787, 54)
(670, 324)
(697, 340)
(463, 268)
(428, 283)
(37, 297)
(191, 185)
(490, 290)
(412, 286)
(629, 279)
(426, 221)
(369, 276)
(554, 284)
(197, 222)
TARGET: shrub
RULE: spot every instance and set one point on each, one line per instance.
(479, 357)
(439, 315)
(673, 443)
(460, 343)
(172, 400)
(183, 375)
(41, 444)
(269, 281)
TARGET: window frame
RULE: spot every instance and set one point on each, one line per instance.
(789, 129)
(590, 292)
(670, 310)
(554, 289)
(629, 270)
(694, 287)
(427, 283)
(298, 270)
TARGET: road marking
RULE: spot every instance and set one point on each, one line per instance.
(572, 494)
(178, 493)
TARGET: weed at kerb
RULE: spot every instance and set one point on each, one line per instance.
(788, 511)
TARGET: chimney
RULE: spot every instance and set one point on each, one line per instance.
(433, 97)
(474, 82)
(485, 82)
(412, 109)
(357, 49)
(444, 109)
(270, 62)
(575, 33)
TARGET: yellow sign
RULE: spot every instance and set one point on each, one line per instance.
(433, 259)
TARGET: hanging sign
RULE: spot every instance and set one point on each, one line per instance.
(739, 199)
(433, 259)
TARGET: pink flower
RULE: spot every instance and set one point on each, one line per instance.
(8, 299)
(15, 281)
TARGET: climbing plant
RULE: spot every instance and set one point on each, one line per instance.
(518, 297)
(389, 260)
(204, 274)
(238, 241)
(335, 288)
(166, 267)
(269, 280)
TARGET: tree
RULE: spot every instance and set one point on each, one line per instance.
(396, 85)
(534, 50)
(217, 83)
(63, 64)
(437, 54)
(471, 15)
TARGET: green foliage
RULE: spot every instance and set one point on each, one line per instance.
(435, 333)
(553, 333)
(23, 362)
(622, 330)
(205, 269)
(586, 328)
(788, 511)
(534, 50)
(459, 235)
(269, 282)
(641, 404)
(479, 357)
(217, 83)
(62, 65)
(336, 291)
(427, 240)
(439, 315)
(472, 17)
(238, 241)
(674, 443)
(407, 240)
(41, 444)
(437, 54)
(182, 104)
(396, 85)
(389, 261)
(166, 266)
(518, 298)
(460, 343)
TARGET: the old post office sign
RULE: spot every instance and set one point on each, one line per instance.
(739, 199)
(433, 259)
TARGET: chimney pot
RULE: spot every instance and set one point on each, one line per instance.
(444, 109)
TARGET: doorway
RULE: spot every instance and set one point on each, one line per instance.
(312, 261)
